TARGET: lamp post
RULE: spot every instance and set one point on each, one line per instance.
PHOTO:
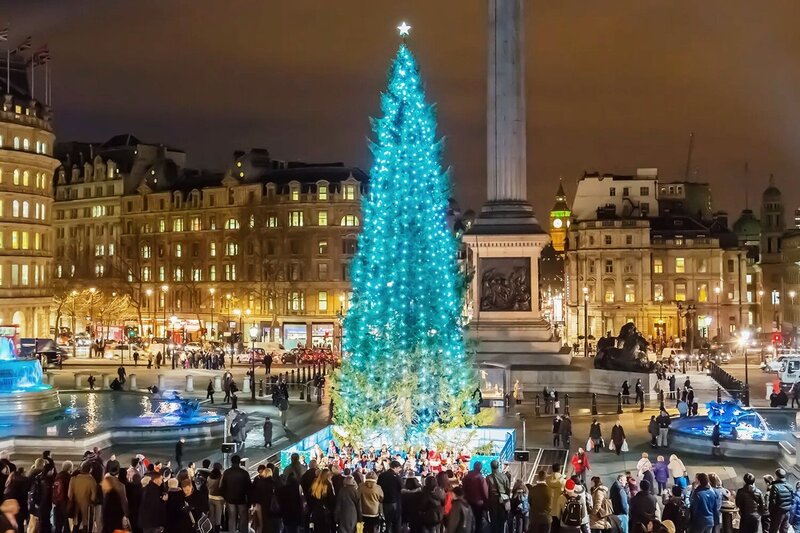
(340, 317)
(662, 333)
(92, 291)
(761, 309)
(745, 339)
(792, 294)
(586, 321)
(717, 290)
(172, 320)
(238, 313)
(149, 293)
(164, 289)
(212, 291)
(74, 294)
(253, 337)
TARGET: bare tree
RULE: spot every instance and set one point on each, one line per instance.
(128, 267)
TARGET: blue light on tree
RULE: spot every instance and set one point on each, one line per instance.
(406, 364)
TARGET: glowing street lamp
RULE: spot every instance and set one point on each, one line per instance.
(745, 341)
(586, 321)
(253, 337)
(718, 290)
(212, 291)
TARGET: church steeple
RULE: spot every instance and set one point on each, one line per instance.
(559, 219)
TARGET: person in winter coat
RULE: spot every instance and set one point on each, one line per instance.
(779, 504)
(216, 503)
(750, 502)
(347, 512)
(520, 508)
(267, 432)
(705, 504)
(410, 504)
(262, 491)
(652, 429)
(677, 470)
(370, 497)
(235, 489)
(557, 431)
(153, 509)
(626, 392)
(476, 493)
(431, 506)
(596, 436)
(113, 513)
(82, 495)
(648, 476)
(174, 507)
(620, 503)
(61, 498)
(602, 508)
(556, 481)
(291, 504)
(540, 502)
(723, 494)
(676, 510)
(617, 437)
(643, 508)
(322, 502)
(580, 465)
(663, 420)
(631, 484)
(661, 473)
(17, 489)
(460, 519)
(565, 431)
(574, 491)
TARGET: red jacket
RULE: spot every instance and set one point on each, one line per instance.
(476, 491)
(580, 462)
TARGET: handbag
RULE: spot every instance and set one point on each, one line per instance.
(612, 446)
(202, 524)
(589, 445)
(624, 445)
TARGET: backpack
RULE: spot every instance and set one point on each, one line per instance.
(520, 504)
(681, 512)
(467, 522)
(59, 491)
(572, 515)
(35, 494)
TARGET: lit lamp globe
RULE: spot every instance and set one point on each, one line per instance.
(254, 333)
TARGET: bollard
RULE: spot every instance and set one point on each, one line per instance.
(132, 382)
(537, 407)
(78, 381)
(566, 404)
(217, 383)
(747, 395)
(302, 392)
(661, 400)
(303, 378)
(189, 383)
(261, 387)
(641, 403)
(316, 371)
(619, 403)
(507, 402)
(292, 383)
(319, 395)
(719, 394)
(594, 403)
(162, 381)
(683, 365)
(106, 383)
(246, 384)
(286, 377)
(308, 392)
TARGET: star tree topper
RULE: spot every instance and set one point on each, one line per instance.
(404, 29)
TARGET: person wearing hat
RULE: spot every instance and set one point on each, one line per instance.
(705, 504)
(643, 507)
(780, 502)
(750, 502)
(675, 510)
(574, 492)
(669, 525)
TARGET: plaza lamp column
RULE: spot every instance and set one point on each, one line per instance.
(586, 321)
(238, 314)
(253, 337)
(213, 291)
(74, 294)
(760, 309)
(92, 291)
(792, 294)
(172, 320)
(745, 340)
(164, 289)
(717, 290)
(662, 329)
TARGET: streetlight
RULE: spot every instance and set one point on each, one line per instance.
(662, 332)
(745, 340)
(164, 289)
(717, 290)
(761, 309)
(149, 293)
(212, 290)
(238, 313)
(586, 321)
(792, 294)
(172, 320)
(74, 293)
(340, 317)
(92, 290)
(253, 337)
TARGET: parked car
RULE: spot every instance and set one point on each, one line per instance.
(291, 357)
(192, 347)
(248, 355)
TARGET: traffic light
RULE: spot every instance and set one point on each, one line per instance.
(777, 338)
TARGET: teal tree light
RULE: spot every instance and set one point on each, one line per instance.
(407, 366)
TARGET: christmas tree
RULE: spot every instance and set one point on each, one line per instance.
(405, 365)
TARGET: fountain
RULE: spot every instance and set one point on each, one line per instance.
(22, 393)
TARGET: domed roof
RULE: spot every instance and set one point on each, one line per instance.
(772, 192)
(747, 224)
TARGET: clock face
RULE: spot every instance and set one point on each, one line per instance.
(557, 223)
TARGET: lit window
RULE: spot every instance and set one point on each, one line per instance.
(99, 250)
(323, 247)
(272, 221)
(349, 192)
(680, 292)
(322, 192)
(680, 265)
(748, 278)
(231, 223)
(212, 273)
(16, 176)
(99, 270)
(322, 301)
(658, 291)
(15, 240)
(776, 296)
(195, 224)
(26, 178)
(295, 194)
(349, 220)
(608, 295)
(702, 292)
(26, 144)
(230, 272)
(212, 249)
(630, 293)
(177, 224)
(323, 218)
(162, 225)
(26, 209)
(197, 274)
(23, 278)
(177, 275)
(16, 143)
(26, 240)
(251, 222)
(296, 301)
(37, 241)
(146, 273)
(295, 218)
(15, 208)
(146, 252)
(231, 249)
(178, 250)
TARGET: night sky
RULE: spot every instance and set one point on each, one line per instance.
(611, 85)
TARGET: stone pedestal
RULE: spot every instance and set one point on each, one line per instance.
(246, 384)
(106, 382)
(78, 381)
(189, 383)
(132, 382)
(161, 382)
(217, 383)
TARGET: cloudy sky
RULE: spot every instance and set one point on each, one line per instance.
(612, 85)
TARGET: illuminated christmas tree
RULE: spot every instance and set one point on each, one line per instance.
(405, 365)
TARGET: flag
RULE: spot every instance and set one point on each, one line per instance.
(41, 56)
(24, 45)
(4, 34)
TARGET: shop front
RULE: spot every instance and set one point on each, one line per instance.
(322, 334)
(295, 335)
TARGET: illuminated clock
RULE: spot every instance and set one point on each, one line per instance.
(557, 223)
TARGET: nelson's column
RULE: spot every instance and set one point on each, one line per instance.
(506, 240)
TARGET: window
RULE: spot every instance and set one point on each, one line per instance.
(644, 191)
(626, 191)
(16, 143)
(658, 266)
(231, 223)
(251, 222)
(322, 192)
(177, 274)
(607, 240)
(627, 267)
(680, 292)
(644, 207)
(15, 240)
(748, 278)
(630, 292)
(99, 250)
(322, 247)
(295, 194)
(776, 296)
(212, 273)
(323, 218)
(295, 218)
(195, 224)
(702, 292)
(612, 191)
(26, 240)
(731, 266)
(348, 246)
(680, 265)
(272, 221)
(322, 301)
(178, 250)
(295, 301)
(609, 266)
(26, 178)
(162, 225)
(350, 220)
(99, 270)
(658, 291)
(322, 272)
(702, 265)
(230, 272)
(212, 222)
(162, 273)
(15, 208)
(26, 144)
(349, 192)
(295, 272)
(16, 176)
(146, 273)
(628, 239)
(591, 266)
(231, 249)
(177, 224)
(608, 294)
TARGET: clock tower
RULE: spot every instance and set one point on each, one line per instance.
(559, 219)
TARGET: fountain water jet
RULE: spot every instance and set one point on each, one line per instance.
(22, 392)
